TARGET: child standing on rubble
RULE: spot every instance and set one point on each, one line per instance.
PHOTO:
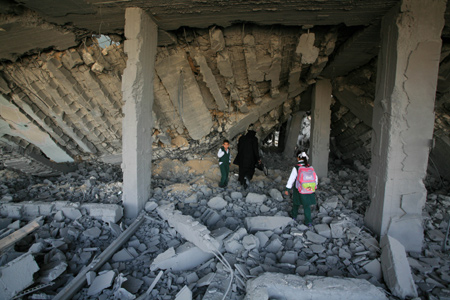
(303, 194)
(224, 163)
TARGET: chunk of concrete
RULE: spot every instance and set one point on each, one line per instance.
(17, 275)
(101, 282)
(275, 223)
(250, 242)
(93, 232)
(110, 213)
(396, 269)
(184, 294)
(323, 230)
(71, 212)
(315, 238)
(217, 203)
(189, 228)
(276, 194)
(374, 268)
(253, 198)
(150, 206)
(292, 287)
(122, 255)
(186, 257)
(306, 48)
(52, 271)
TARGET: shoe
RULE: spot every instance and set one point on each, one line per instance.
(310, 225)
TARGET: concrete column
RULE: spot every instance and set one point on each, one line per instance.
(137, 88)
(293, 129)
(403, 119)
(320, 127)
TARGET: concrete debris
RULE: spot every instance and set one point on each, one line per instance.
(184, 294)
(248, 230)
(101, 282)
(290, 287)
(396, 270)
(17, 275)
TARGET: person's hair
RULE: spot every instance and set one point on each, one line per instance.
(305, 160)
(226, 141)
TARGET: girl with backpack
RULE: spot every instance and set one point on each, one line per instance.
(305, 180)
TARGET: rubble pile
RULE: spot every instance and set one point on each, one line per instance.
(90, 183)
(199, 241)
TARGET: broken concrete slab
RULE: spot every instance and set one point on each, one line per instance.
(101, 282)
(110, 213)
(315, 238)
(260, 223)
(177, 77)
(292, 287)
(189, 228)
(17, 275)
(184, 294)
(374, 268)
(185, 257)
(396, 269)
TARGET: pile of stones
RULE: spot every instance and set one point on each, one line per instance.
(252, 226)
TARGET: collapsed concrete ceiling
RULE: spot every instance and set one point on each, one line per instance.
(250, 61)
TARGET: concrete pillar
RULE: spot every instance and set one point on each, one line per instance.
(293, 129)
(320, 127)
(403, 119)
(137, 88)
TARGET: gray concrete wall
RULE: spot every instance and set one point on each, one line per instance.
(403, 119)
(137, 87)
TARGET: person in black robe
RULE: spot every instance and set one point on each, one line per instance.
(247, 157)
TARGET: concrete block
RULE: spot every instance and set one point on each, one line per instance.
(315, 238)
(306, 48)
(374, 268)
(276, 223)
(292, 287)
(337, 229)
(250, 242)
(189, 228)
(185, 257)
(275, 246)
(71, 212)
(396, 269)
(101, 282)
(11, 210)
(93, 232)
(184, 294)
(276, 195)
(52, 271)
(236, 195)
(217, 203)
(17, 275)
(132, 284)
(323, 230)
(253, 198)
(289, 257)
(110, 213)
(122, 255)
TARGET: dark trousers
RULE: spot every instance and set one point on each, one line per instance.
(224, 171)
(246, 172)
